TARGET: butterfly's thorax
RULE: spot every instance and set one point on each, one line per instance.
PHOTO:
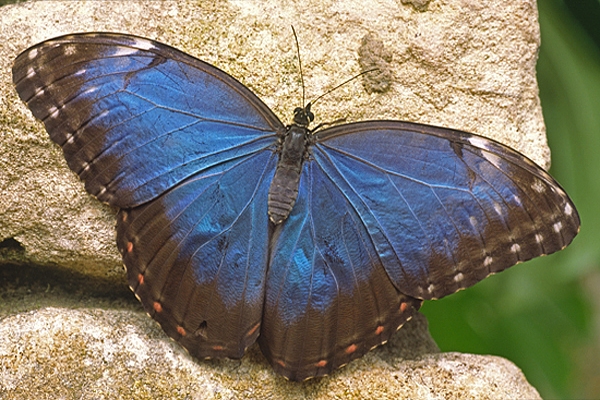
(284, 186)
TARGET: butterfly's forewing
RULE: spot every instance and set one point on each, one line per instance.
(328, 298)
(186, 151)
(445, 208)
(135, 117)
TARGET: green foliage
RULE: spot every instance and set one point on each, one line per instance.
(543, 315)
(5, 2)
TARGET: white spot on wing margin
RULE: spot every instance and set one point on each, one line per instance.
(32, 54)
(144, 44)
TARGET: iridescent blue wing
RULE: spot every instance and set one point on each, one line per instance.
(328, 299)
(185, 150)
(444, 208)
(135, 117)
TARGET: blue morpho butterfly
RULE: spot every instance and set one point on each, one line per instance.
(234, 227)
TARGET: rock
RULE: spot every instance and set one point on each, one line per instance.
(94, 353)
(463, 64)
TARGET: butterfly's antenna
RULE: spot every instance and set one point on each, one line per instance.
(299, 64)
(343, 83)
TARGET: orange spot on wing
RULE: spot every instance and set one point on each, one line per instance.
(253, 329)
(351, 349)
(157, 307)
(181, 330)
(218, 347)
(379, 330)
(129, 247)
(140, 279)
(403, 306)
(321, 364)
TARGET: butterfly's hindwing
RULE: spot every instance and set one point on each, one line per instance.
(328, 299)
(196, 256)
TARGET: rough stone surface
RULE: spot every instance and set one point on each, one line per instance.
(109, 354)
(462, 64)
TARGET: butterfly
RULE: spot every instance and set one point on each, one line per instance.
(235, 228)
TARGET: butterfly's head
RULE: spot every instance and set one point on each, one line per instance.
(303, 116)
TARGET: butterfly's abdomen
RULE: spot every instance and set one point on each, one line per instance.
(284, 187)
